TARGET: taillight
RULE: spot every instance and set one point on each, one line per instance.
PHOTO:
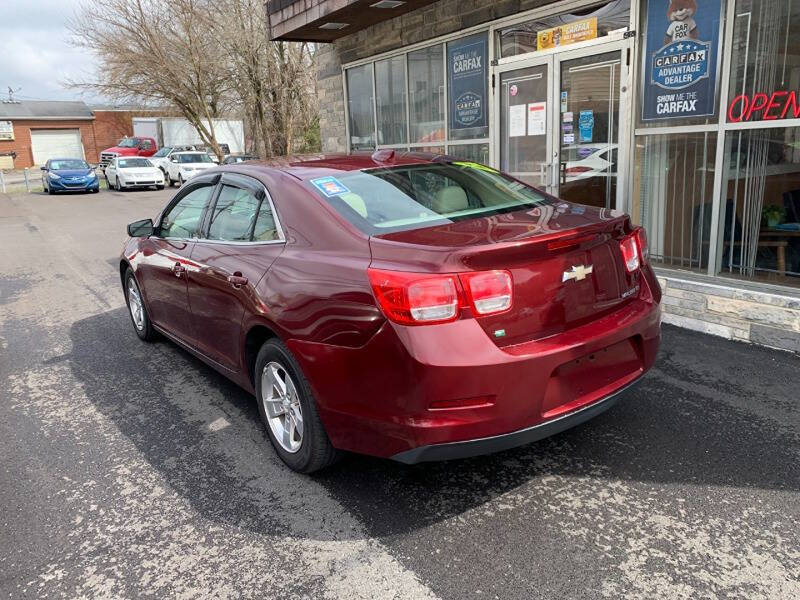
(424, 299)
(489, 292)
(630, 253)
(415, 298)
(641, 240)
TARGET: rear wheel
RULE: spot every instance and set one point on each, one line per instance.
(137, 309)
(289, 411)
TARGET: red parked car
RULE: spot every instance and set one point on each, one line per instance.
(400, 305)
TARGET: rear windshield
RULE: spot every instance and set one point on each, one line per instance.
(392, 199)
(131, 163)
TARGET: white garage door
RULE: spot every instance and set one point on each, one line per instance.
(55, 143)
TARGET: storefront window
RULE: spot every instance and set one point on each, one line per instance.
(564, 29)
(360, 108)
(761, 224)
(426, 93)
(674, 178)
(765, 67)
(428, 149)
(390, 91)
(478, 153)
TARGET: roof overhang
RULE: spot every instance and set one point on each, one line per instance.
(30, 118)
(329, 20)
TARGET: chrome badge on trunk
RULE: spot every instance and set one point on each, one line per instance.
(577, 272)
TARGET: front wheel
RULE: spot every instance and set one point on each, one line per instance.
(180, 180)
(137, 309)
(289, 411)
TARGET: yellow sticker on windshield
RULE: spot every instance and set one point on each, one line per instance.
(474, 165)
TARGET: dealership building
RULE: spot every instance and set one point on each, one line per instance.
(684, 113)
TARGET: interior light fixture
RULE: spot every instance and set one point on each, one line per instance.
(387, 4)
(333, 25)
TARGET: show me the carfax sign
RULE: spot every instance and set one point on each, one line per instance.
(469, 82)
(680, 59)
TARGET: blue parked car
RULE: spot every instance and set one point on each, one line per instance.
(69, 175)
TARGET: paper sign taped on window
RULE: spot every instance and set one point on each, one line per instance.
(330, 186)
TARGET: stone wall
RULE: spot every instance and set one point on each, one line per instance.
(765, 318)
(441, 18)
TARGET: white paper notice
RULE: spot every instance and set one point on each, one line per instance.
(516, 120)
(567, 117)
(537, 117)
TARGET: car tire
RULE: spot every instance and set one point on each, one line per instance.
(117, 185)
(159, 187)
(137, 309)
(314, 450)
(170, 181)
(180, 180)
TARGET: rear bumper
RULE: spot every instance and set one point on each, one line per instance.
(430, 393)
(497, 443)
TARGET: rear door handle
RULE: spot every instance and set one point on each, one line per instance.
(178, 269)
(237, 281)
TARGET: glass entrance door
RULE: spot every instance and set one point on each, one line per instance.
(559, 117)
(525, 137)
(589, 129)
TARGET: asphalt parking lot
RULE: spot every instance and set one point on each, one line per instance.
(132, 470)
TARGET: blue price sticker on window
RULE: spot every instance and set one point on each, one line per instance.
(330, 186)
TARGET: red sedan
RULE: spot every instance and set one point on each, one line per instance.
(401, 305)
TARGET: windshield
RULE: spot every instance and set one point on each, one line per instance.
(163, 152)
(68, 164)
(198, 157)
(130, 163)
(128, 143)
(400, 198)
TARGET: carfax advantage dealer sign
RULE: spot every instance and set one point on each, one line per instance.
(681, 59)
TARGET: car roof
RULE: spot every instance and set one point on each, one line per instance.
(66, 158)
(306, 167)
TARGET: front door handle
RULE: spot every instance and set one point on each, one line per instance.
(178, 269)
(237, 281)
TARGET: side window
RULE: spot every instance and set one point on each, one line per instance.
(147, 145)
(183, 219)
(265, 230)
(234, 215)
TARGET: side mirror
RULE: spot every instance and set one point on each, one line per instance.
(44, 168)
(143, 228)
(173, 159)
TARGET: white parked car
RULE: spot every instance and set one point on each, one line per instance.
(125, 172)
(161, 158)
(184, 165)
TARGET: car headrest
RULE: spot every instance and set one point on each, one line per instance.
(450, 199)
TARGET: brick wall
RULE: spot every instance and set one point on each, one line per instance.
(441, 18)
(22, 139)
(748, 315)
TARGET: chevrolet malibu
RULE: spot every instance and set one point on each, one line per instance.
(406, 306)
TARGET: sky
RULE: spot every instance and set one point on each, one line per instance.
(35, 53)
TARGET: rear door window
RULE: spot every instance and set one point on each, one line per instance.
(234, 215)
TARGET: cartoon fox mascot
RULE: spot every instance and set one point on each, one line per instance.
(681, 22)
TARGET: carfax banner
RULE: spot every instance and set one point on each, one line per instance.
(680, 58)
(468, 78)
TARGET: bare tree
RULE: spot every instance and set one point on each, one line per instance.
(274, 81)
(203, 57)
(156, 52)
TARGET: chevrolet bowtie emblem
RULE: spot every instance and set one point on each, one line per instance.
(577, 272)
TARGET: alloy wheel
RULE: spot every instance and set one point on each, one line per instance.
(282, 406)
(135, 304)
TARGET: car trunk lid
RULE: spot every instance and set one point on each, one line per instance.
(565, 261)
